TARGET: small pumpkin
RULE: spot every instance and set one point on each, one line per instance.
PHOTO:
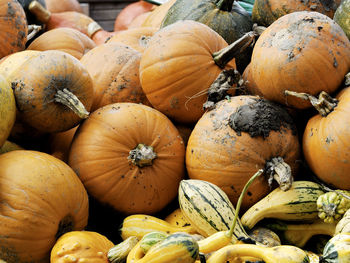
(81, 246)
(302, 52)
(13, 27)
(36, 209)
(57, 6)
(265, 12)
(129, 156)
(116, 78)
(332, 205)
(65, 39)
(342, 16)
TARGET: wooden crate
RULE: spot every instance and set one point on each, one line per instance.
(105, 12)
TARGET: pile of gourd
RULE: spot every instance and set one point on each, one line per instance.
(214, 131)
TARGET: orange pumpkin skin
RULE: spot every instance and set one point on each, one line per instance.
(57, 6)
(137, 38)
(81, 246)
(303, 52)
(116, 78)
(216, 153)
(326, 142)
(41, 198)
(155, 18)
(59, 143)
(66, 39)
(101, 147)
(70, 19)
(139, 20)
(13, 27)
(177, 65)
(249, 82)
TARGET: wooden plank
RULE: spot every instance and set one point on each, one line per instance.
(107, 25)
(102, 15)
(108, 6)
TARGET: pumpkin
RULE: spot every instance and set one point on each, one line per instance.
(81, 246)
(325, 141)
(97, 34)
(342, 16)
(137, 38)
(265, 12)
(116, 79)
(9, 146)
(249, 83)
(13, 27)
(65, 39)
(237, 138)
(30, 17)
(130, 12)
(57, 6)
(7, 110)
(139, 20)
(53, 91)
(157, 15)
(179, 65)
(129, 156)
(41, 199)
(59, 143)
(302, 52)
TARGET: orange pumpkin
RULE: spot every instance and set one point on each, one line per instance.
(155, 18)
(57, 6)
(59, 143)
(249, 82)
(302, 52)
(137, 38)
(53, 91)
(114, 69)
(129, 156)
(98, 35)
(139, 20)
(81, 246)
(238, 137)
(179, 65)
(13, 27)
(65, 39)
(41, 199)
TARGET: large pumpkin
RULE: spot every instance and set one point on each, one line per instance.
(114, 69)
(302, 52)
(342, 16)
(41, 199)
(129, 156)
(230, 143)
(265, 12)
(178, 67)
(59, 143)
(13, 27)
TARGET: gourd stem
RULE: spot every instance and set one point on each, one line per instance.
(143, 155)
(33, 29)
(41, 13)
(68, 99)
(324, 104)
(224, 5)
(240, 199)
(225, 55)
(279, 170)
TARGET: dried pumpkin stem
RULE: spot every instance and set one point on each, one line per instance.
(143, 155)
(92, 28)
(279, 170)
(68, 99)
(33, 30)
(224, 5)
(143, 41)
(324, 104)
(41, 13)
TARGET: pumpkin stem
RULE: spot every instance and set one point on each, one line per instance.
(324, 104)
(143, 41)
(65, 225)
(68, 99)
(279, 170)
(33, 30)
(347, 80)
(224, 5)
(142, 155)
(92, 28)
(41, 13)
(225, 55)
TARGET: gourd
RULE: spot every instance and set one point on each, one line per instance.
(81, 246)
(57, 6)
(13, 27)
(332, 205)
(265, 236)
(337, 249)
(120, 252)
(116, 79)
(342, 16)
(177, 218)
(9, 146)
(343, 226)
(151, 239)
(283, 53)
(129, 156)
(35, 208)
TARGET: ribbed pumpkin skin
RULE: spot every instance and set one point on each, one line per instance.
(302, 52)
(265, 12)
(342, 16)
(36, 82)
(13, 27)
(226, 17)
(81, 246)
(325, 144)
(57, 6)
(217, 154)
(100, 150)
(177, 65)
(66, 39)
(39, 195)
(114, 69)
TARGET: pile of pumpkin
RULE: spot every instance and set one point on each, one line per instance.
(215, 131)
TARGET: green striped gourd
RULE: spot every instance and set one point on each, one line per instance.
(337, 249)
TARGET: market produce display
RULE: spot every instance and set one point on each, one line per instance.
(205, 131)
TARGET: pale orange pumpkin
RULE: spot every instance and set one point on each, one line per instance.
(41, 199)
(57, 6)
(129, 156)
(155, 18)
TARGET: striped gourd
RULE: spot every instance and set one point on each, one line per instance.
(208, 208)
(296, 204)
(150, 239)
(337, 249)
